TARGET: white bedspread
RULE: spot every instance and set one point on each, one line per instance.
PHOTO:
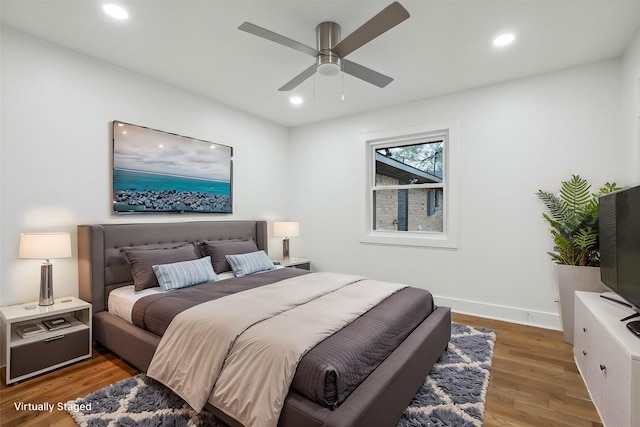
(240, 352)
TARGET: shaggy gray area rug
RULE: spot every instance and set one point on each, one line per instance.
(452, 395)
(454, 392)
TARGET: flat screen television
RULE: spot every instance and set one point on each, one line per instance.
(156, 171)
(619, 222)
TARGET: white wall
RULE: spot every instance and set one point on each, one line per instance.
(631, 98)
(517, 137)
(57, 108)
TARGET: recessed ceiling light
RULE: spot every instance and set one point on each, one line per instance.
(504, 40)
(115, 11)
(296, 100)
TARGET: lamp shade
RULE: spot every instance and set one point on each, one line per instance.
(45, 245)
(286, 229)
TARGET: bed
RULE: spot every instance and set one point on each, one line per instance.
(378, 400)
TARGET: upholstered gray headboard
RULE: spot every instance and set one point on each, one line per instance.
(101, 268)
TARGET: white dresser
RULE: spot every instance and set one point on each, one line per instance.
(608, 357)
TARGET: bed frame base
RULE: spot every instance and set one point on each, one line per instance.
(378, 402)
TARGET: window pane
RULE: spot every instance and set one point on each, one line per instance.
(418, 209)
(409, 164)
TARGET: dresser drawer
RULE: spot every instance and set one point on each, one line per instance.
(48, 352)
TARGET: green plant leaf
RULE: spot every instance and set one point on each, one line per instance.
(575, 194)
(553, 204)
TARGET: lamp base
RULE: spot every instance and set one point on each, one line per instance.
(285, 248)
(46, 284)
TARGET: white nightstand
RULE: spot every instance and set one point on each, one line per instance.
(302, 263)
(27, 357)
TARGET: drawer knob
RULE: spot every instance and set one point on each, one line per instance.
(584, 329)
(584, 352)
(602, 367)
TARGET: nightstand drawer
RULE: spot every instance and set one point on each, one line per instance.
(48, 352)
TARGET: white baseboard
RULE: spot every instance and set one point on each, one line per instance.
(500, 312)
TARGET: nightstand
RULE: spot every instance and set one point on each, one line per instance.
(301, 263)
(36, 354)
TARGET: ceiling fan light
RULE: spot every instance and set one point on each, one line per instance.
(296, 100)
(504, 40)
(328, 69)
(115, 11)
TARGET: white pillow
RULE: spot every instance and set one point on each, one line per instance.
(186, 273)
(252, 262)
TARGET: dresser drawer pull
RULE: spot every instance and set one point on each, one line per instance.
(59, 337)
(584, 352)
(602, 367)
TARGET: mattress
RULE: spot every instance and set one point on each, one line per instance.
(329, 372)
(122, 300)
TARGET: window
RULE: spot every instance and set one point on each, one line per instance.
(410, 186)
(408, 190)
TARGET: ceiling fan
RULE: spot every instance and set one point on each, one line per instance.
(331, 50)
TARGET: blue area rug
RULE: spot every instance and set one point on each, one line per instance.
(452, 395)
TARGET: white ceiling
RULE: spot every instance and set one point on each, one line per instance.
(444, 47)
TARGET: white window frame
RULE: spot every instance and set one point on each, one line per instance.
(448, 132)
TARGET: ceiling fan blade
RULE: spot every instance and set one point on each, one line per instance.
(299, 79)
(388, 18)
(277, 38)
(366, 74)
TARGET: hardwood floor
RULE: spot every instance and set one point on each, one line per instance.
(534, 379)
(534, 382)
(61, 385)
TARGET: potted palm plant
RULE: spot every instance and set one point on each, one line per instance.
(573, 217)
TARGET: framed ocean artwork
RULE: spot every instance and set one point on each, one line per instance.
(156, 171)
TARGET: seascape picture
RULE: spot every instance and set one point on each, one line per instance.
(155, 171)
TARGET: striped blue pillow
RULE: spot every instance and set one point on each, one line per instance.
(253, 262)
(186, 273)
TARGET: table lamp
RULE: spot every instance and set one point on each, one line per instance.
(45, 246)
(286, 230)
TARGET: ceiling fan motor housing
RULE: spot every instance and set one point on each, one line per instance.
(327, 36)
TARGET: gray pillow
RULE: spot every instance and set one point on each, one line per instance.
(141, 263)
(219, 250)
